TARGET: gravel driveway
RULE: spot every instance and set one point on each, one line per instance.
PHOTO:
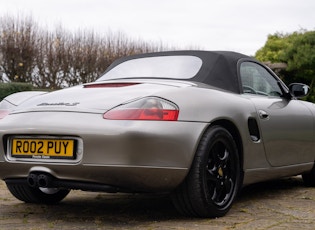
(282, 204)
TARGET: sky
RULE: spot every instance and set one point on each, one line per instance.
(236, 25)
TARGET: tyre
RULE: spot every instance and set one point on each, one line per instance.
(37, 195)
(309, 178)
(214, 178)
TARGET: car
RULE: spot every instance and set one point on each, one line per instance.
(195, 125)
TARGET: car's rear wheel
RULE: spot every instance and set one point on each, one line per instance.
(214, 178)
(37, 195)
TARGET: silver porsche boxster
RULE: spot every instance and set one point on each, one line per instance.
(198, 125)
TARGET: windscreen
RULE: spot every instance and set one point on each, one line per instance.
(174, 67)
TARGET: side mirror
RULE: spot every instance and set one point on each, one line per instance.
(299, 90)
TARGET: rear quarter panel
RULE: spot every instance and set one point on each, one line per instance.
(211, 105)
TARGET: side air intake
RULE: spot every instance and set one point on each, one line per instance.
(253, 129)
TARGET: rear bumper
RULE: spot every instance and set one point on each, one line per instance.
(107, 179)
(131, 155)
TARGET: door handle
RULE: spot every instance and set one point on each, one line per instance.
(263, 114)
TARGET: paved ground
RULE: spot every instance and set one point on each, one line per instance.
(282, 204)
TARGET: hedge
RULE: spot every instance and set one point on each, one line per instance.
(9, 88)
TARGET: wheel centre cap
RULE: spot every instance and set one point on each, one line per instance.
(220, 172)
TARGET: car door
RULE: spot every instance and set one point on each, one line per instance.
(286, 125)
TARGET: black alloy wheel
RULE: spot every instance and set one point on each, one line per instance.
(214, 178)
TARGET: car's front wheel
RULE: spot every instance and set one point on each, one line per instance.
(214, 178)
(29, 194)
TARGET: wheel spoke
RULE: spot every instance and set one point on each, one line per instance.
(228, 184)
(222, 192)
(212, 166)
(226, 156)
(219, 190)
(211, 176)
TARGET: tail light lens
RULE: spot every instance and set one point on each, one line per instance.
(151, 108)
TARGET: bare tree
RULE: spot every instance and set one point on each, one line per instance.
(83, 56)
(18, 38)
(57, 59)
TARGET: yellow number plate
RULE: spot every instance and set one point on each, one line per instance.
(43, 148)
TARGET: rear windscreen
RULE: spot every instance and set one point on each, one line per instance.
(175, 67)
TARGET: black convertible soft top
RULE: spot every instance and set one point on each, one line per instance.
(219, 68)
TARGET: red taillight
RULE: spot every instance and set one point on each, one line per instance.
(145, 109)
(3, 113)
(142, 114)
